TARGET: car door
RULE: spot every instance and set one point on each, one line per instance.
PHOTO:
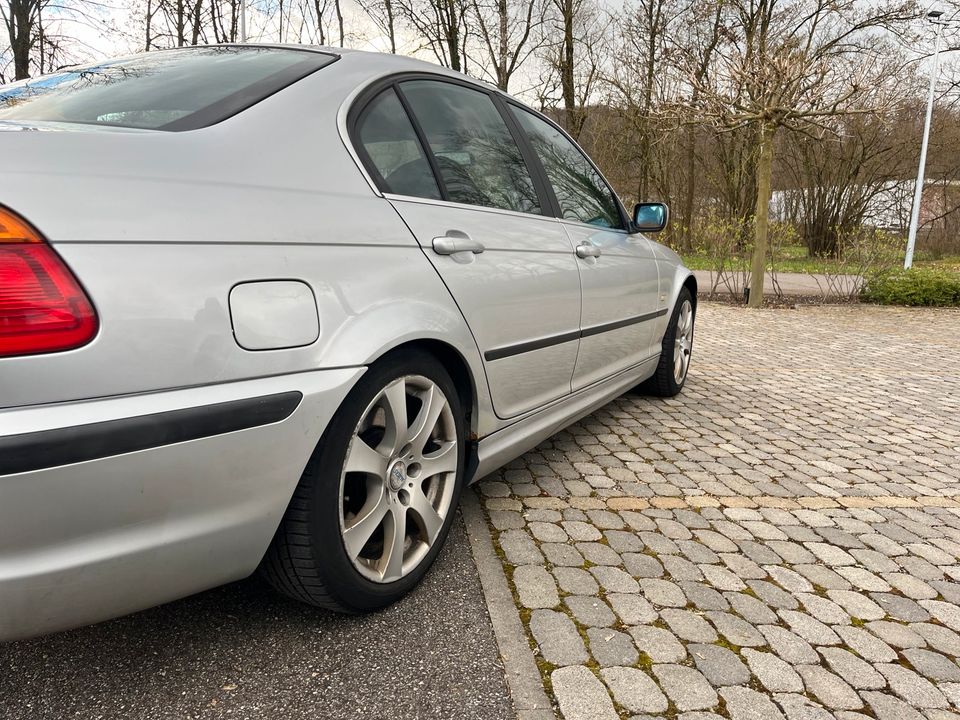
(618, 269)
(446, 158)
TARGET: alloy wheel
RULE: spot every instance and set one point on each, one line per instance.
(398, 478)
(683, 342)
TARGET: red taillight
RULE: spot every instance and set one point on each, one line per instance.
(42, 306)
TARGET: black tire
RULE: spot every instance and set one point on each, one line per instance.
(307, 559)
(663, 382)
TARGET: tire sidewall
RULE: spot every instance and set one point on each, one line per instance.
(341, 578)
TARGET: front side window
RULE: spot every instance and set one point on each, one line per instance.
(582, 193)
(180, 89)
(390, 142)
(478, 160)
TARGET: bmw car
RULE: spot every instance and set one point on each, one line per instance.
(272, 308)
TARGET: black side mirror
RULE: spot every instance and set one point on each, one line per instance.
(650, 217)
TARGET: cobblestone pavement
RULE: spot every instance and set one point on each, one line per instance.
(782, 540)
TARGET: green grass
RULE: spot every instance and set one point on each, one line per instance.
(794, 259)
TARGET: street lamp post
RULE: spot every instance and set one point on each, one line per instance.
(934, 17)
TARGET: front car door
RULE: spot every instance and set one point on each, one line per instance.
(444, 155)
(618, 269)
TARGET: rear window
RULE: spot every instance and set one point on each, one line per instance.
(181, 89)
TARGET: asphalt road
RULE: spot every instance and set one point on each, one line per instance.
(243, 651)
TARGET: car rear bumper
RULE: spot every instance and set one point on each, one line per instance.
(114, 505)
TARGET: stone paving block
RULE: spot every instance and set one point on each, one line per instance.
(562, 554)
(800, 707)
(611, 647)
(866, 645)
(632, 609)
(658, 644)
(536, 587)
(895, 634)
(829, 689)
(911, 687)
(809, 628)
(662, 593)
(615, 580)
(746, 704)
(576, 581)
(557, 637)
(642, 566)
(788, 645)
(598, 553)
(853, 669)
(938, 637)
(932, 665)
(900, 608)
(688, 625)
(736, 630)
(547, 532)
(634, 690)
(773, 673)
(589, 610)
(888, 707)
(581, 696)
(519, 548)
(686, 687)
(719, 665)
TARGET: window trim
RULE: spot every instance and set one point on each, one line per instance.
(369, 165)
(545, 194)
(625, 223)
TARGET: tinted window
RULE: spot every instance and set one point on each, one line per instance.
(478, 160)
(582, 193)
(385, 133)
(164, 90)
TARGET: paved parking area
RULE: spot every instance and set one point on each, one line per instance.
(782, 540)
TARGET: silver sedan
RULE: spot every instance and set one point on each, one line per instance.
(274, 307)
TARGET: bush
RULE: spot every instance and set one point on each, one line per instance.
(916, 286)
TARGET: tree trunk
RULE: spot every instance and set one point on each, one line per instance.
(20, 30)
(691, 188)
(761, 217)
(339, 10)
(503, 53)
(567, 86)
(391, 30)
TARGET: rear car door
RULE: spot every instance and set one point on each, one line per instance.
(618, 269)
(446, 156)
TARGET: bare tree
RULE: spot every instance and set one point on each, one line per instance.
(441, 25)
(508, 33)
(790, 64)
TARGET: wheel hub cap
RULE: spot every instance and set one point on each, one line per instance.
(397, 475)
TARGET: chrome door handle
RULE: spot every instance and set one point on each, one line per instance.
(588, 249)
(450, 244)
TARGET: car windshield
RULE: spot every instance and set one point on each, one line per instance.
(181, 89)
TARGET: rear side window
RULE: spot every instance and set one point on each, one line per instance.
(478, 160)
(181, 89)
(391, 144)
(582, 193)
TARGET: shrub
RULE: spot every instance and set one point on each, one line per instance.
(916, 286)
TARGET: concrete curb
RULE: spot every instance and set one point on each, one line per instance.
(520, 668)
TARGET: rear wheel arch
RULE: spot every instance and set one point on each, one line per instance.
(691, 284)
(454, 363)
